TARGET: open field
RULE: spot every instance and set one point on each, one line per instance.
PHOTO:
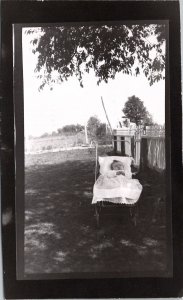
(49, 158)
(53, 142)
(60, 227)
(58, 143)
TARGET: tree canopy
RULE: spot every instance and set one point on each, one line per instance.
(135, 110)
(70, 129)
(64, 51)
(93, 125)
(96, 129)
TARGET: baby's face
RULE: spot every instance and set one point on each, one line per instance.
(117, 166)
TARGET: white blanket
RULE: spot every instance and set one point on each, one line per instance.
(116, 189)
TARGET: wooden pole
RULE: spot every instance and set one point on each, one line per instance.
(106, 116)
(96, 160)
(86, 134)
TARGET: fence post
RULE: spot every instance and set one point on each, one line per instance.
(115, 144)
(122, 146)
(132, 146)
(144, 154)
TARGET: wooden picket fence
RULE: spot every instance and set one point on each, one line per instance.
(145, 144)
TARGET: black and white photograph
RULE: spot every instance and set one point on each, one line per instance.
(91, 149)
(95, 199)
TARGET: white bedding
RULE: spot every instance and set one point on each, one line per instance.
(116, 189)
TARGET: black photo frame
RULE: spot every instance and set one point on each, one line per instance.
(15, 15)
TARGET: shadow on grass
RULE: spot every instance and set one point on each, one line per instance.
(60, 229)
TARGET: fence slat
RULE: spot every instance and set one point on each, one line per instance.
(136, 139)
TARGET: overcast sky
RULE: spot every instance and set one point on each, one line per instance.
(68, 103)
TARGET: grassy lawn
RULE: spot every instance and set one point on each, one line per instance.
(60, 227)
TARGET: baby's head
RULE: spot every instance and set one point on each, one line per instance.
(117, 165)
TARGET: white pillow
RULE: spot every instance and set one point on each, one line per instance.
(106, 161)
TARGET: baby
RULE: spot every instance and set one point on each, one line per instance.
(118, 166)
